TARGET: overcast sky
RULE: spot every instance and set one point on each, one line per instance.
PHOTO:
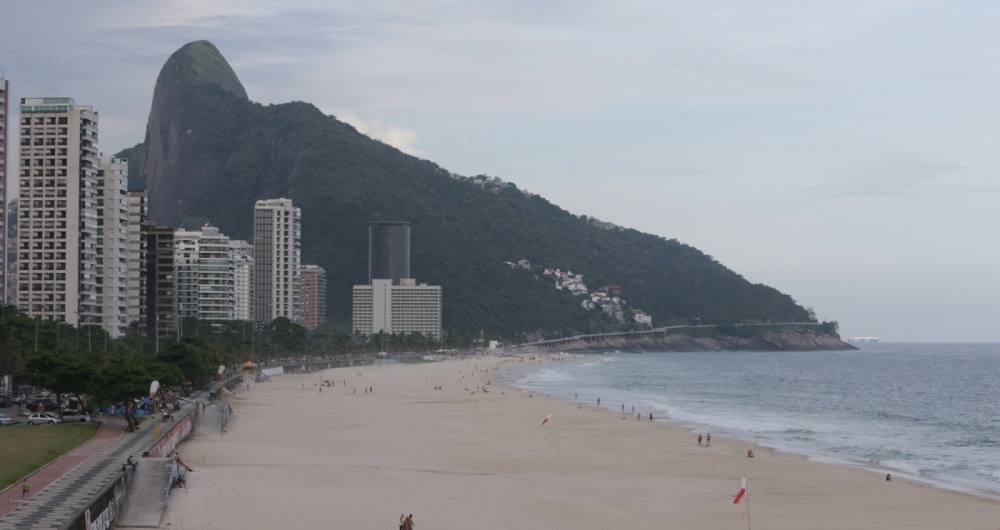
(844, 152)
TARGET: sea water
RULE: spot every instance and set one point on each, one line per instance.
(924, 410)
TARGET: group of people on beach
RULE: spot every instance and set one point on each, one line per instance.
(708, 440)
(406, 523)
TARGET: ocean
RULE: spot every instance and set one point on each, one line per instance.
(927, 411)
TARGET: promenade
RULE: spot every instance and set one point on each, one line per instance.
(10, 498)
(53, 505)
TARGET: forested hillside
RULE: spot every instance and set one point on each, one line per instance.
(210, 152)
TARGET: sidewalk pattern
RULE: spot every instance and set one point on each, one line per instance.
(56, 504)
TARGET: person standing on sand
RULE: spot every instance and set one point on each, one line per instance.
(650, 416)
(402, 521)
(699, 440)
(708, 439)
(598, 402)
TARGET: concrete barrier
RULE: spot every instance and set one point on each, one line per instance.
(175, 435)
(105, 508)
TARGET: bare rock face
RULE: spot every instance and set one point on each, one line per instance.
(175, 174)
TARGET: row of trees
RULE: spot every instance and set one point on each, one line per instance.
(68, 360)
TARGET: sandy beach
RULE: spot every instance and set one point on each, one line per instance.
(295, 457)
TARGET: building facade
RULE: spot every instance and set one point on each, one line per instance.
(203, 260)
(5, 133)
(161, 297)
(57, 212)
(313, 296)
(112, 244)
(407, 308)
(137, 259)
(243, 282)
(388, 251)
(277, 242)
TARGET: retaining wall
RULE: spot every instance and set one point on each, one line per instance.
(180, 431)
(102, 512)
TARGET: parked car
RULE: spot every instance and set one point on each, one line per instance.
(40, 418)
(4, 420)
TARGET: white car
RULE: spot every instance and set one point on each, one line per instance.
(4, 420)
(41, 418)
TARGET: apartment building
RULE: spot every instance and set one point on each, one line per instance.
(243, 282)
(4, 134)
(205, 274)
(112, 244)
(161, 296)
(137, 205)
(277, 241)
(57, 212)
(313, 296)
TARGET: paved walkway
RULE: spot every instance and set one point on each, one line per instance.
(53, 506)
(42, 478)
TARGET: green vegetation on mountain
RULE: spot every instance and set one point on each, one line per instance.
(210, 153)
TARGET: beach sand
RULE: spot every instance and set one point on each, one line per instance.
(296, 458)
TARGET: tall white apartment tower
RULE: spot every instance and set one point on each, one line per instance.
(277, 241)
(205, 274)
(112, 244)
(136, 258)
(243, 284)
(57, 220)
(4, 134)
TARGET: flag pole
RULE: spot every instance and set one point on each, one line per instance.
(558, 449)
(748, 507)
(476, 415)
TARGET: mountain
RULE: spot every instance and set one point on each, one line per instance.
(210, 152)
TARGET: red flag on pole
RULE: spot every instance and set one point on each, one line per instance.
(742, 492)
(547, 418)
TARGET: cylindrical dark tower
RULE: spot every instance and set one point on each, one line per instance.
(388, 251)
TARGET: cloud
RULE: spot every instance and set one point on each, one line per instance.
(399, 137)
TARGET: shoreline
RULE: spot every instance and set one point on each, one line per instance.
(294, 456)
(769, 445)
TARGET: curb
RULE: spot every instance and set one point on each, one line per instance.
(53, 461)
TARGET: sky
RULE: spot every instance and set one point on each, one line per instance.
(843, 152)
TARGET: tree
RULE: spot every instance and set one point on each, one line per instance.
(61, 374)
(287, 334)
(120, 380)
(197, 358)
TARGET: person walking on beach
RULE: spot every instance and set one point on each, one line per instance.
(598, 402)
(402, 521)
(650, 416)
(699, 440)
(25, 488)
(708, 439)
(408, 523)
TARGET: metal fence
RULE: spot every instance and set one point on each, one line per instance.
(227, 410)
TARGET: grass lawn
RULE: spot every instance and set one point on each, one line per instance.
(24, 449)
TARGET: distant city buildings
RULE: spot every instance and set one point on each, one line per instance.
(161, 287)
(137, 205)
(313, 296)
(112, 244)
(5, 133)
(243, 279)
(277, 241)
(388, 251)
(57, 225)
(392, 302)
(205, 274)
